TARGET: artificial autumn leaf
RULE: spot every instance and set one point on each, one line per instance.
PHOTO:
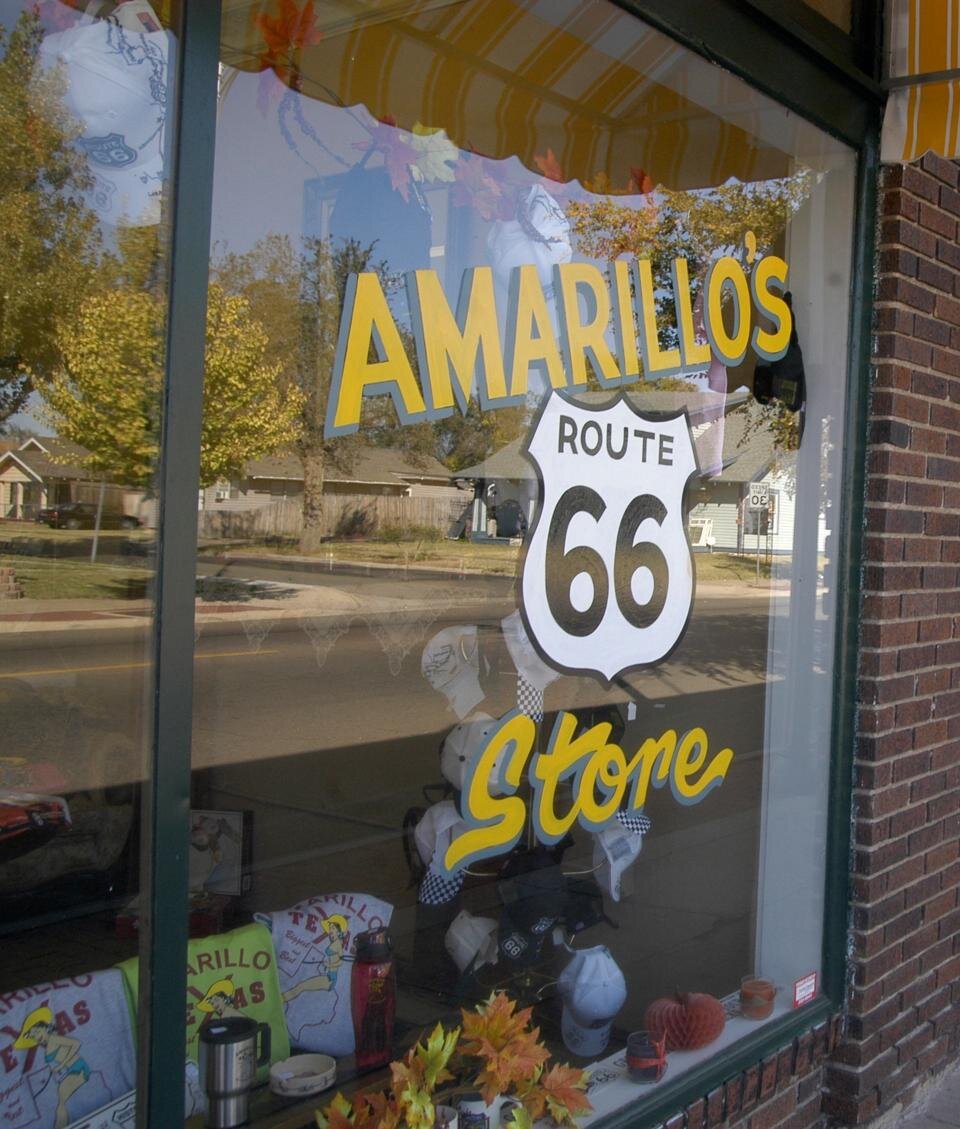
(563, 1088)
(398, 154)
(496, 1020)
(292, 29)
(640, 181)
(436, 152)
(336, 1115)
(384, 1113)
(435, 1053)
(413, 1096)
(476, 188)
(549, 166)
(500, 1036)
(521, 1118)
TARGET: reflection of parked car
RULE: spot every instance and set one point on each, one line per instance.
(83, 515)
(27, 820)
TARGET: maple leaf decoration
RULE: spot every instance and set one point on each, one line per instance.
(398, 154)
(284, 37)
(508, 1048)
(476, 188)
(563, 1088)
(640, 181)
(549, 166)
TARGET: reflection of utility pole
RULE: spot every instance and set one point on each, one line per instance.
(96, 522)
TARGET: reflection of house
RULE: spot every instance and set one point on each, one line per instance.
(45, 471)
(719, 505)
(719, 517)
(372, 471)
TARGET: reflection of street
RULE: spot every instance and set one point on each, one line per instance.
(315, 716)
(277, 690)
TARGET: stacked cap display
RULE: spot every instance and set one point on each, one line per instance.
(593, 990)
(115, 84)
(615, 847)
(471, 941)
(440, 825)
(463, 745)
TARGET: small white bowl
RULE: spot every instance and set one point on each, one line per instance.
(301, 1076)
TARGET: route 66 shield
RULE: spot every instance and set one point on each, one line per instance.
(608, 577)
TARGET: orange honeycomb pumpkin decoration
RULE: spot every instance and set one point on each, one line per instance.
(688, 1020)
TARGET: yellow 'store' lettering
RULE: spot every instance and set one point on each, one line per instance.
(589, 318)
(601, 775)
(498, 819)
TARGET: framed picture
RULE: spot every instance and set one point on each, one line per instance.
(220, 851)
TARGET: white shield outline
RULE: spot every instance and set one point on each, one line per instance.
(532, 541)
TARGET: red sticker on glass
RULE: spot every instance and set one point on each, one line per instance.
(804, 989)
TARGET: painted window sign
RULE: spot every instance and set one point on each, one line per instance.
(603, 778)
(605, 320)
(607, 581)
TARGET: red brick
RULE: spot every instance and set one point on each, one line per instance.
(944, 170)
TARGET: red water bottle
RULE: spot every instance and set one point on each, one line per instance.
(373, 998)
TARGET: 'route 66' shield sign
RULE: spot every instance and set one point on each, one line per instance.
(608, 578)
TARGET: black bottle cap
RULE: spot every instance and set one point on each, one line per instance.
(374, 945)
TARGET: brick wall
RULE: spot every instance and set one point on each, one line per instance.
(781, 1091)
(904, 999)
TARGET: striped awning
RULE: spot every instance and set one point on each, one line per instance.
(923, 106)
(586, 82)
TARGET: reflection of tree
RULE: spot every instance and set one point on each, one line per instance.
(696, 226)
(50, 239)
(298, 298)
(105, 393)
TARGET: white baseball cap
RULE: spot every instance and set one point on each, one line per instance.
(615, 847)
(471, 940)
(461, 747)
(436, 830)
(117, 88)
(593, 990)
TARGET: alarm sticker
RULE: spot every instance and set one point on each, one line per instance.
(804, 989)
(607, 582)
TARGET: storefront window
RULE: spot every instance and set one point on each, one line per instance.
(83, 291)
(529, 294)
(526, 352)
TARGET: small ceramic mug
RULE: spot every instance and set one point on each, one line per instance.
(445, 1117)
(756, 997)
(476, 1114)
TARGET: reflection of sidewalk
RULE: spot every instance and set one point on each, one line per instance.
(283, 601)
(240, 602)
(263, 600)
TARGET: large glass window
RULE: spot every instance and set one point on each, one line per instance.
(84, 133)
(546, 320)
(525, 347)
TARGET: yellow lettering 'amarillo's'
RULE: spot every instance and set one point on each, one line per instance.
(603, 780)
(604, 320)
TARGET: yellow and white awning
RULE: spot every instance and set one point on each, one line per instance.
(923, 107)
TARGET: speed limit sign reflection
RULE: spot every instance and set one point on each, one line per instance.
(758, 497)
(607, 579)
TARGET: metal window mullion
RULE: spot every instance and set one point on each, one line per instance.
(166, 802)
